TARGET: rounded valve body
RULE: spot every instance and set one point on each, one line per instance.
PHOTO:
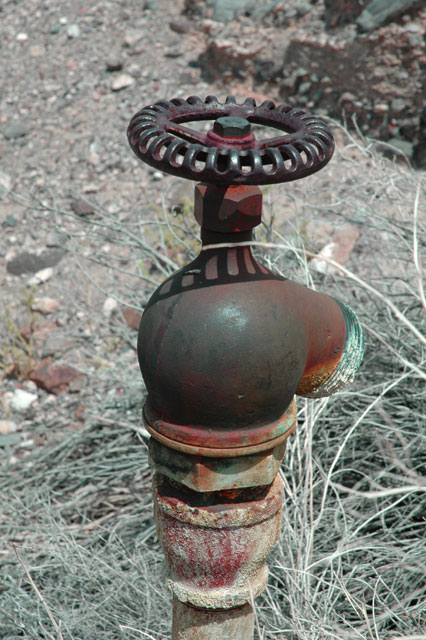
(218, 356)
(224, 344)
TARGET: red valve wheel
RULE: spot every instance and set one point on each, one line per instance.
(233, 156)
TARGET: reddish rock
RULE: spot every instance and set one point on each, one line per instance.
(7, 426)
(228, 59)
(79, 412)
(38, 331)
(53, 378)
(132, 318)
(82, 208)
(345, 240)
(45, 305)
(318, 233)
(339, 12)
(380, 67)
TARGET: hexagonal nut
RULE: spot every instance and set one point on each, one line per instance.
(204, 474)
(231, 127)
(228, 209)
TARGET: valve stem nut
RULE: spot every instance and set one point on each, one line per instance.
(231, 127)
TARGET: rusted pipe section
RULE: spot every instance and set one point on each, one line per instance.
(216, 543)
(224, 346)
(190, 623)
(215, 546)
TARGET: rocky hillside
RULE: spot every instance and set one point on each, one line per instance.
(361, 61)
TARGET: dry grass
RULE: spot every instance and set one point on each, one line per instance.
(79, 554)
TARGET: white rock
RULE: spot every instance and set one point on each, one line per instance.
(27, 444)
(110, 306)
(6, 399)
(22, 400)
(22, 37)
(338, 250)
(413, 27)
(50, 400)
(45, 305)
(10, 254)
(322, 266)
(121, 82)
(5, 182)
(7, 426)
(40, 277)
(381, 108)
(30, 386)
(73, 31)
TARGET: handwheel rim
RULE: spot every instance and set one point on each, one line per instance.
(157, 136)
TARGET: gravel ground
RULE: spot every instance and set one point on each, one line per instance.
(75, 75)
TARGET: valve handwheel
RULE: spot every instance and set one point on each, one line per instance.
(230, 154)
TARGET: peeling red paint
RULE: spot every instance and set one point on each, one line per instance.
(213, 551)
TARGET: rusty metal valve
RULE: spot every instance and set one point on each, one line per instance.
(224, 345)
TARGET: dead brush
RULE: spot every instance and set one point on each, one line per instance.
(17, 357)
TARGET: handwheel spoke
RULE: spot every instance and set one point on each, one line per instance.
(278, 141)
(190, 135)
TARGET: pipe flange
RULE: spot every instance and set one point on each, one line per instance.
(158, 137)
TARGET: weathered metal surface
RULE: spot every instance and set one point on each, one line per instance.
(158, 137)
(224, 345)
(216, 552)
(349, 362)
(231, 127)
(211, 442)
(222, 363)
(227, 209)
(202, 473)
(190, 623)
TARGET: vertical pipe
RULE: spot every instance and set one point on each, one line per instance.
(190, 623)
(216, 556)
